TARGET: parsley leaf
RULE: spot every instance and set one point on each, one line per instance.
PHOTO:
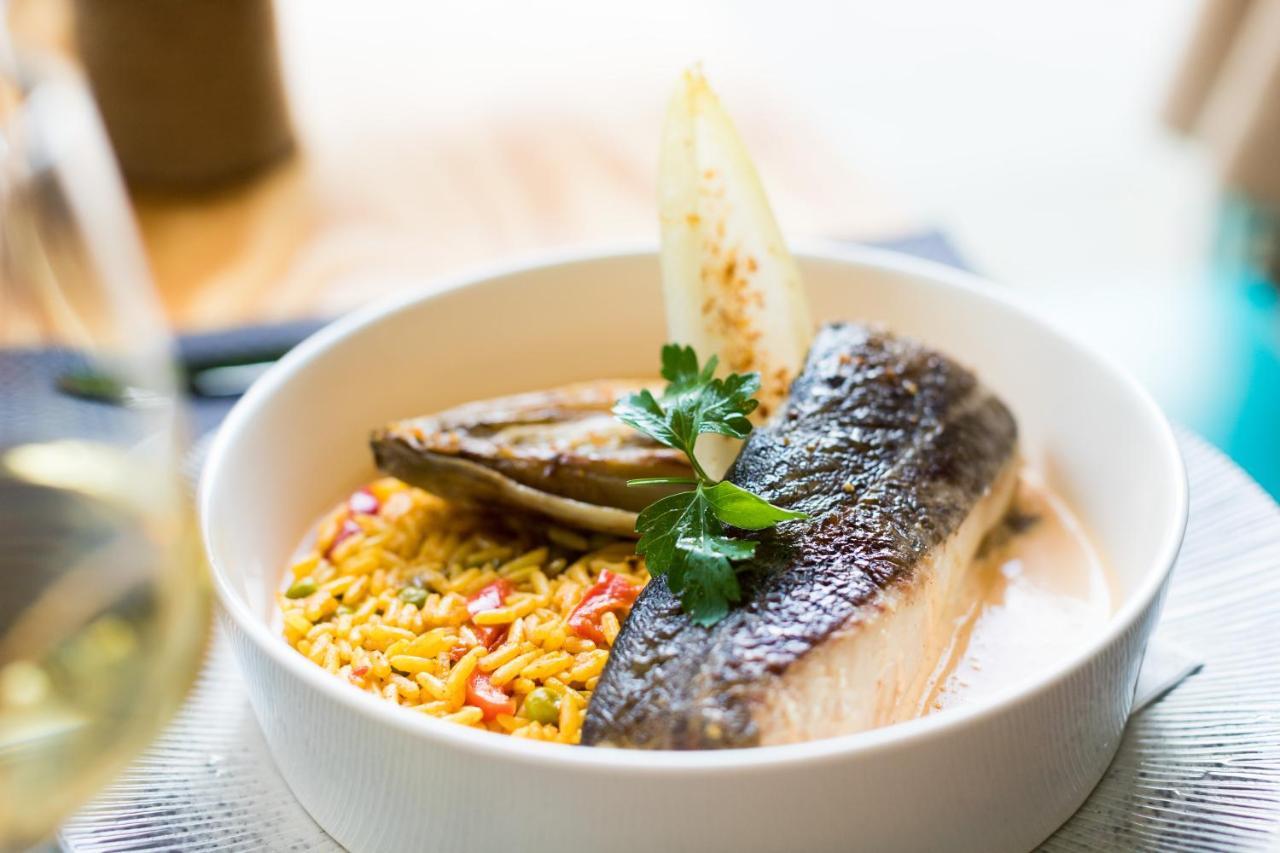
(683, 540)
(694, 402)
(708, 585)
(642, 412)
(683, 536)
(680, 369)
(735, 505)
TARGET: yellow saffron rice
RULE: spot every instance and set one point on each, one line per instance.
(381, 598)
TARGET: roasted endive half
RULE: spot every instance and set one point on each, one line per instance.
(731, 289)
(559, 452)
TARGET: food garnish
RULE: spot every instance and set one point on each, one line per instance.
(490, 598)
(683, 537)
(730, 285)
(488, 697)
(611, 594)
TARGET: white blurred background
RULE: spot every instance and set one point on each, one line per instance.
(1029, 133)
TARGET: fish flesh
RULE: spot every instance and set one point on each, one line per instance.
(903, 462)
(558, 452)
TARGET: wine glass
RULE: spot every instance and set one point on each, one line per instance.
(104, 605)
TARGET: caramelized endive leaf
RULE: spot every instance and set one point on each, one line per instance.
(559, 452)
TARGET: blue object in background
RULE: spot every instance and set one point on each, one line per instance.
(1241, 412)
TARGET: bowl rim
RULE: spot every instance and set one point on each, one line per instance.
(490, 745)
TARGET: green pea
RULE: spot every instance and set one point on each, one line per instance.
(542, 705)
(301, 588)
(415, 595)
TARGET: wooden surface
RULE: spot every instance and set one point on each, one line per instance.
(422, 156)
(353, 217)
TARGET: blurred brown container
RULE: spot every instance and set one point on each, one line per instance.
(190, 90)
(1227, 93)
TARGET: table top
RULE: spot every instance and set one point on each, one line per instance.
(1197, 770)
(362, 210)
(429, 156)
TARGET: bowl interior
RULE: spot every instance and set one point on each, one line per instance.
(299, 440)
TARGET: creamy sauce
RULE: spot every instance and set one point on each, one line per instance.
(1040, 591)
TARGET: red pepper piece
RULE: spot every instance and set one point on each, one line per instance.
(491, 636)
(611, 593)
(488, 697)
(489, 597)
(364, 502)
(358, 673)
(348, 529)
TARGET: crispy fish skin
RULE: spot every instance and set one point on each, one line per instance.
(902, 461)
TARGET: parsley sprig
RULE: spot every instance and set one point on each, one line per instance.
(683, 536)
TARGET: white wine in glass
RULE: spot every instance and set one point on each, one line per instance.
(103, 594)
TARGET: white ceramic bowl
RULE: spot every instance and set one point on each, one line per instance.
(997, 774)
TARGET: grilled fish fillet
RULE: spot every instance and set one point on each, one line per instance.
(903, 462)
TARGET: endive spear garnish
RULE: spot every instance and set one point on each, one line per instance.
(732, 291)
